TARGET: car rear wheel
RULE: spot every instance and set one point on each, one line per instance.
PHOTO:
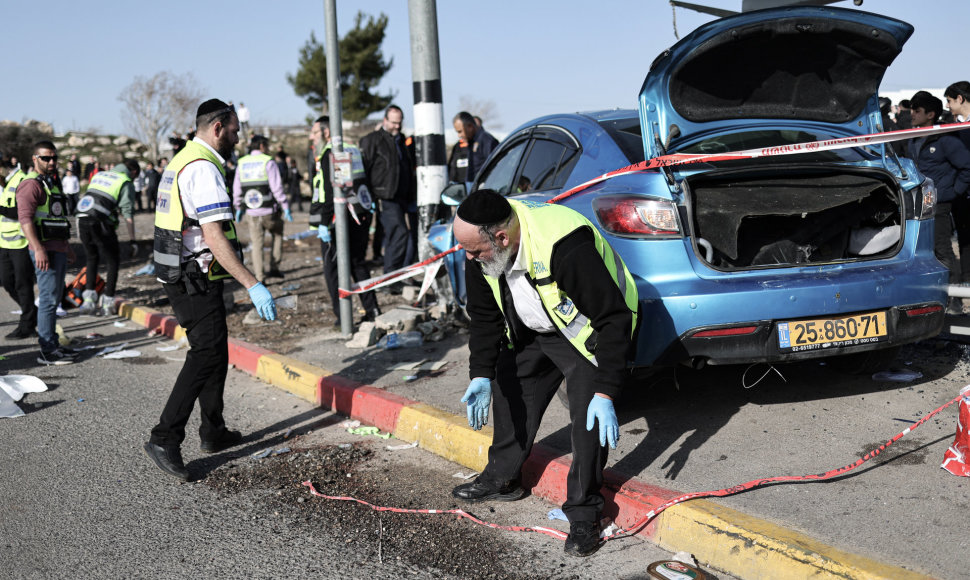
(864, 363)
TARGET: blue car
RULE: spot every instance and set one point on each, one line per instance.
(784, 258)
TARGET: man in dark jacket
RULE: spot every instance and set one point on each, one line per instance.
(481, 143)
(945, 160)
(389, 164)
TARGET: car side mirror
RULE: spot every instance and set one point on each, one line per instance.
(454, 194)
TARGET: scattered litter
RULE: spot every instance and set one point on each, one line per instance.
(301, 235)
(903, 420)
(80, 400)
(93, 336)
(120, 324)
(345, 445)
(369, 431)
(409, 378)
(262, 454)
(685, 558)
(402, 447)
(907, 363)
(18, 312)
(291, 287)
(461, 475)
(557, 514)
(167, 348)
(287, 434)
(281, 451)
(349, 424)
(13, 388)
(903, 376)
(609, 530)
(175, 359)
(2, 357)
(62, 338)
(108, 349)
(287, 302)
(146, 270)
(123, 354)
(421, 365)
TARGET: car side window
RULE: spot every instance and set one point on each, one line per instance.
(498, 174)
(539, 171)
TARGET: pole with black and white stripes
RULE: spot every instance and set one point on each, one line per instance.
(429, 120)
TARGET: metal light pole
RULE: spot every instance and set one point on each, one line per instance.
(429, 121)
(337, 146)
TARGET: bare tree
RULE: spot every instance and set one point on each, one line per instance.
(155, 105)
(486, 110)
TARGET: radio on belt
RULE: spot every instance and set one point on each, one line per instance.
(343, 169)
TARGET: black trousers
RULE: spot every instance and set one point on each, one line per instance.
(17, 277)
(357, 237)
(100, 243)
(961, 219)
(400, 234)
(203, 376)
(527, 380)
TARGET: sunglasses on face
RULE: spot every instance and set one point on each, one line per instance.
(46, 158)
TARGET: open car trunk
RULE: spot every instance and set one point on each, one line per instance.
(792, 216)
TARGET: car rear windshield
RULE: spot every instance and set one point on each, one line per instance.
(778, 138)
(626, 134)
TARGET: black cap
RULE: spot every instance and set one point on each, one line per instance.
(212, 106)
(485, 207)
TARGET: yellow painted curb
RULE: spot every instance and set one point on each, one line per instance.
(444, 434)
(297, 377)
(749, 547)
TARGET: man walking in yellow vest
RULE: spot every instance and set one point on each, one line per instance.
(195, 250)
(109, 194)
(257, 190)
(16, 269)
(549, 299)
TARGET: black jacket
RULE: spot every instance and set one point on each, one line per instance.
(381, 165)
(579, 271)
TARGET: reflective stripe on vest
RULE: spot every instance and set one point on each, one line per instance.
(170, 218)
(101, 198)
(254, 180)
(11, 234)
(50, 218)
(542, 226)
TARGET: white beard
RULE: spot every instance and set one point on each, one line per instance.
(501, 257)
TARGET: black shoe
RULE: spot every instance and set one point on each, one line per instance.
(56, 357)
(274, 274)
(18, 334)
(224, 441)
(168, 459)
(583, 539)
(477, 491)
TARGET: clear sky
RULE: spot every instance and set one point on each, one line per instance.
(67, 61)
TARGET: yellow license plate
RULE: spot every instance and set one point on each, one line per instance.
(822, 333)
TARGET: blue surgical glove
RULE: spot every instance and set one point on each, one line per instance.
(601, 409)
(287, 215)
(323, 232)
(263, 301)
(478, 396)
(239, 215)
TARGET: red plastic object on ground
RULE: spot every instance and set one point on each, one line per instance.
(956, 460)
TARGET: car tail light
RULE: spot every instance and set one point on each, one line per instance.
(637, 216)
(733, 331)
(923, 310)
(928, 199)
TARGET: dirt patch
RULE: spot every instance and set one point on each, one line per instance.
(439, 542)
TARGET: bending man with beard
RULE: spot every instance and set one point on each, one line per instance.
(549, 299)
(195, 250)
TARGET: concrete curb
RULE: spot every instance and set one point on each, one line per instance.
(717, 536)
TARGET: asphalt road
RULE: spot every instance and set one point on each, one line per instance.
(79, 499)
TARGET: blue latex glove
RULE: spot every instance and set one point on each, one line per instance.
(323, 232)
(239, 213)
(263, 301)
(478, 396)
(287, 215)
(601, 409)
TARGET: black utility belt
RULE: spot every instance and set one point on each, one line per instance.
(54, 230)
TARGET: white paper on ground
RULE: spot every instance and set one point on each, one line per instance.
(123, 354)
(18, 385)
(108, 349)
(8, 407)
(461, 475)
(903, 376)
(402, 447)
(168, 348)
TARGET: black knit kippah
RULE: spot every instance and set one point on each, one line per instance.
(211, 106)
(484, 207)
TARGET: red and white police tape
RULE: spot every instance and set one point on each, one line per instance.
(430, 269)
(955, 457)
